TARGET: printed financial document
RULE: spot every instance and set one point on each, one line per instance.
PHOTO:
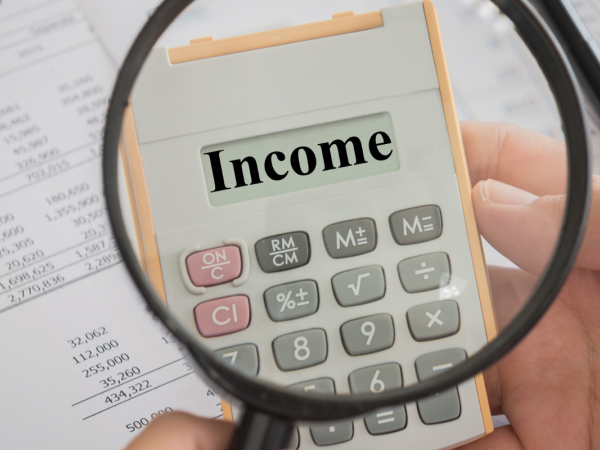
(82, 364)
(79, 356)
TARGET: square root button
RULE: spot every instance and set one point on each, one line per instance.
(359, 286)
(414, 225)
(283, 252)
(425, 272)
(350, 238)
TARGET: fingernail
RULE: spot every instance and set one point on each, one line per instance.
(505, 194)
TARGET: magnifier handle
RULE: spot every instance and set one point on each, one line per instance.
(260, 431)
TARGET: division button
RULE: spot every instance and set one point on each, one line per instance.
(242, 357)
(334, 433)
(443, 406)
(350, 238)
(283, 252)
(300, 350)
(387, 420)
(358, 286)
(376, 379)
(434, 320)
(214, 266)
(425, 272)
(222, 316)
(368, 334)
(292, 300)
(414, 225)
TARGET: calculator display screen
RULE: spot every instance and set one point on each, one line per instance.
(298, 159)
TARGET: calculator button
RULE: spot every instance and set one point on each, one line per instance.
(324, 435)
(350, 238)
(222, 316)
(414, 225)
(283, 252)
(214, 266)
(425, 272)
(376, 379)
(331, 434)
(368, 334)
(433, 320)
(292, 300)
(295, 441)
(386, 420)
(301, 349)
(241, 357)
(443, 406)
(358, 286)
(434, 363)
(319, 385)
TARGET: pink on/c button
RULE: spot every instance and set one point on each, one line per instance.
(223, 316)
(214, 266)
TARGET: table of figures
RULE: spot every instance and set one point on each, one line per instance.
(66, 299)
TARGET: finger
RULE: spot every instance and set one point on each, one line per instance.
(515, 156)
(517, 223)
(493, 387)
(503, 438)
(525, 228)
(183, 431)
(510, 289)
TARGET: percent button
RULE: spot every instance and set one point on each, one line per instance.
(292, 300)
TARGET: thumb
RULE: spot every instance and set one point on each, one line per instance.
(520, 225)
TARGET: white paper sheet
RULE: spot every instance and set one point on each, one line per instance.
(83, 364)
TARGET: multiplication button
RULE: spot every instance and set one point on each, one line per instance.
(283, 252)
(292, 300)
(434, 320)
(414, 225)
(350, 238)
(443, 406)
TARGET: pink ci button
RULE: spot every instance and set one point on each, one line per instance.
(222, 316)
(214, 266)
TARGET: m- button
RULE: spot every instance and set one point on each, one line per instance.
(283, 252)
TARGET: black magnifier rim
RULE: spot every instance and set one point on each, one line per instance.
(285, 404)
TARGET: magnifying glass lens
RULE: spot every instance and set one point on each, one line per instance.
(341, 200)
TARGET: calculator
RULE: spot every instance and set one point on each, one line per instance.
(302, 203)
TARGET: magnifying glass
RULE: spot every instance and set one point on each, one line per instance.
(295, 197)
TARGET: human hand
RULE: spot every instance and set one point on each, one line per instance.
(549, 386)
(181, 431)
